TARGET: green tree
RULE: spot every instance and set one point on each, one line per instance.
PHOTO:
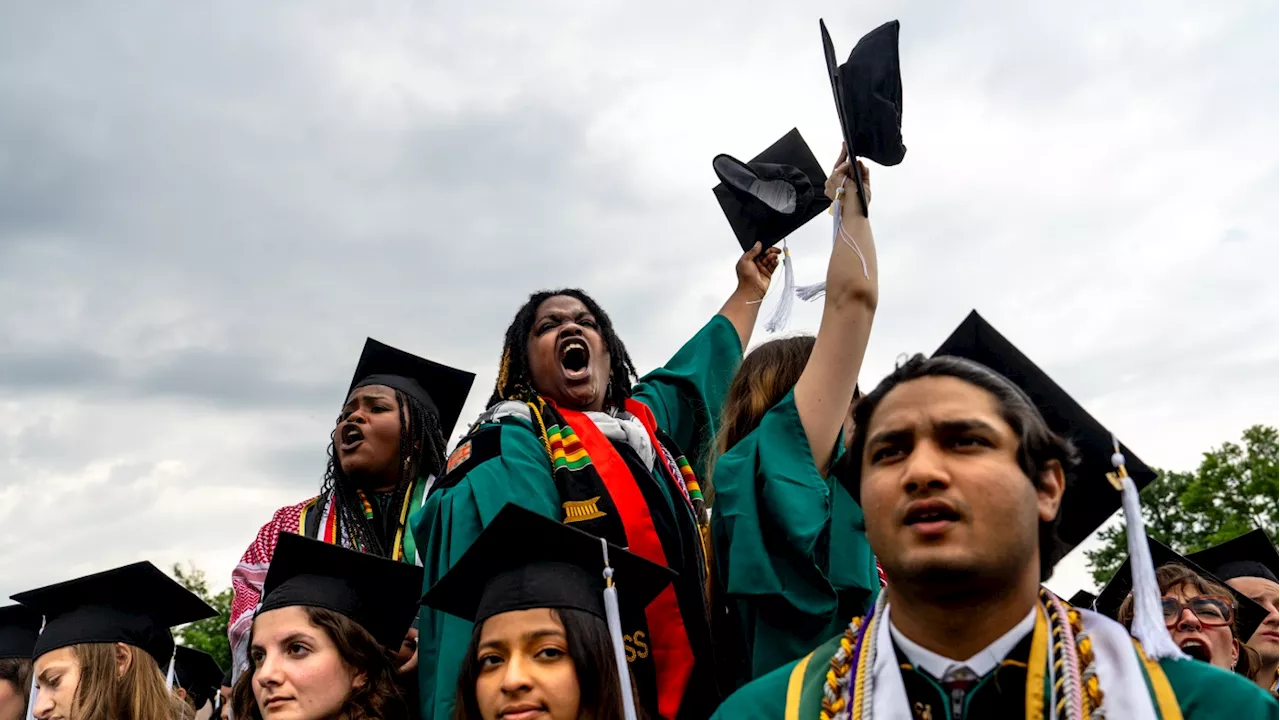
(208, 635)
(1233, 491)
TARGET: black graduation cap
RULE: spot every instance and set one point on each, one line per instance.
(380, 595)
(1249, 555)
(523, 560)
(135, 604)
(868, 92)
(19, 628)
(772, 196)
(1249, 614)
(1083, 599)
(196, 672)
(1090, 498)
(440, 388)
(226, 679)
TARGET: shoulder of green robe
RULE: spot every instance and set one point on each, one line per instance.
(793, 690)
(1205, 692)
(482, 444)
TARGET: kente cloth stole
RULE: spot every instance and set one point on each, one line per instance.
(319, 521)
(601, 495)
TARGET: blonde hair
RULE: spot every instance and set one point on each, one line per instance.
(139, 693)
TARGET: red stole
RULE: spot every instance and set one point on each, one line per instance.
(673, 655)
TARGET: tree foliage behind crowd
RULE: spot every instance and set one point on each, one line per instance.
(208, 635)
(1233, 491)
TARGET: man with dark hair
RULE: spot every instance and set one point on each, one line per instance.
(961, 480)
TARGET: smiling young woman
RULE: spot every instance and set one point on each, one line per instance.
(386, 448)
(571, 434)
(321, 644)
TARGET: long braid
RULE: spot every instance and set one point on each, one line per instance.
(422, 446)
(515, 381)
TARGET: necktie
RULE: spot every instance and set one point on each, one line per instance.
(958, 682)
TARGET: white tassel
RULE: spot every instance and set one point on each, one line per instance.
(1148, 616)
(614, 620)
(172, 661)
(782, 314)
(31, 703)
(31, 696)
(809, 293)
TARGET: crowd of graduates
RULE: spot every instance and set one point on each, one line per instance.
(725, 536)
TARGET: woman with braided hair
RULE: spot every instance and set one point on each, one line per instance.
(387, 447)
(571, 434)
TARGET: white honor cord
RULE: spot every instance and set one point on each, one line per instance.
(614, 620)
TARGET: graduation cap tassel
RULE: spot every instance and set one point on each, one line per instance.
(782, 313)
(808, 293)
(614, 620)
(172, 665)
(31, 696)
(1148, 617)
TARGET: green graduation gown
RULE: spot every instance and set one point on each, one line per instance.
(789, 549)
(504, 462)
(1199, 691)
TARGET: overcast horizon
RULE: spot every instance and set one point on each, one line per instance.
(206, 209)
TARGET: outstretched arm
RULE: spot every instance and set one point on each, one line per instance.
(825, 388)
(754, 270)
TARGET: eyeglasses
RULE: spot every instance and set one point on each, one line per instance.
(1210, 610)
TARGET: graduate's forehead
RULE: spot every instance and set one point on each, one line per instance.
(566, 305)
(923, 403)
(371, 392)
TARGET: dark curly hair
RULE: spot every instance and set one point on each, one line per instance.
(422, 446)
(378, 698)
(1037, 444)
(515, 381)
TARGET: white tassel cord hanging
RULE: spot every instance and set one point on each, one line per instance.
(782, 314)
(1148, 617)
(31, 696)
(172, 662)
(808, 293)
(614, 619)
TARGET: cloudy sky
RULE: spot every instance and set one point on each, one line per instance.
(206, 208)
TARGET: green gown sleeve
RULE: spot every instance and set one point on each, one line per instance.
(1205, 692)
(686, 394)
(518, 471)
(789, 547)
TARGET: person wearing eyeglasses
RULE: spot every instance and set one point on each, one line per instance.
(1205, 618)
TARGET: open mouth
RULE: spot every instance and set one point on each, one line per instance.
(930, 517)
(574, 357)
(1196, 649)
(351, 436)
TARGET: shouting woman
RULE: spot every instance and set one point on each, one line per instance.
(570, 434)
(387, 447)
